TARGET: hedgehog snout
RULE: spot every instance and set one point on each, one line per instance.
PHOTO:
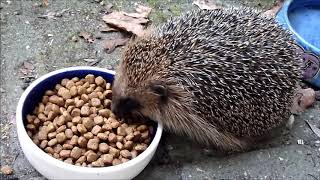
(122, 106)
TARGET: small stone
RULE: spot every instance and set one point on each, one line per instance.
(7, 170)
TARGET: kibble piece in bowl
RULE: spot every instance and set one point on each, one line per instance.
(74, 123)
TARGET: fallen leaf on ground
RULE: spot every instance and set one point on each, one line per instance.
(108, 29)
(314, 129)
(111, 44)
(46, 2)
(87, 36)
(206, 4)
(303, 99)
(274, 10)
(26, 68)
(127, 23)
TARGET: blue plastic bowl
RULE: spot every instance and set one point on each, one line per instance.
(302, 18)
(53, 168)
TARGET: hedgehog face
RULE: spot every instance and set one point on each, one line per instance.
(144, 100)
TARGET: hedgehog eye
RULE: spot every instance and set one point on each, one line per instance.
(160, 90)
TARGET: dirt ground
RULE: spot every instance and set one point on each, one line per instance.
(49, 44)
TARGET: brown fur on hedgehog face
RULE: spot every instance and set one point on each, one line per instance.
(135, 98)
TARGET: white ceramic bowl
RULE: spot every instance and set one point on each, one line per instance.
(52, 168)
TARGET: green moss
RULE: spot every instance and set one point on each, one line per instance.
(175, 10)
(158, 17)
(154, 3)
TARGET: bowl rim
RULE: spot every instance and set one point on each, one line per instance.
(286, 7)
(22, 132)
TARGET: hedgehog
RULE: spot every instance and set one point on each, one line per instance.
(224, 78)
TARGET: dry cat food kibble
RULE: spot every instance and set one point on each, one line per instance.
(74, 124)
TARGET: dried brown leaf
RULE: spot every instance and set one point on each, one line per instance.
(127, 23)
(108, 29)
(303, 99)
(87, 36)
(111, 44)
(46, 2)
(26, 68)
(206, 4)
(274, 10)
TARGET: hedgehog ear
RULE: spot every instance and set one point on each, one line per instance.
(160, 90)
